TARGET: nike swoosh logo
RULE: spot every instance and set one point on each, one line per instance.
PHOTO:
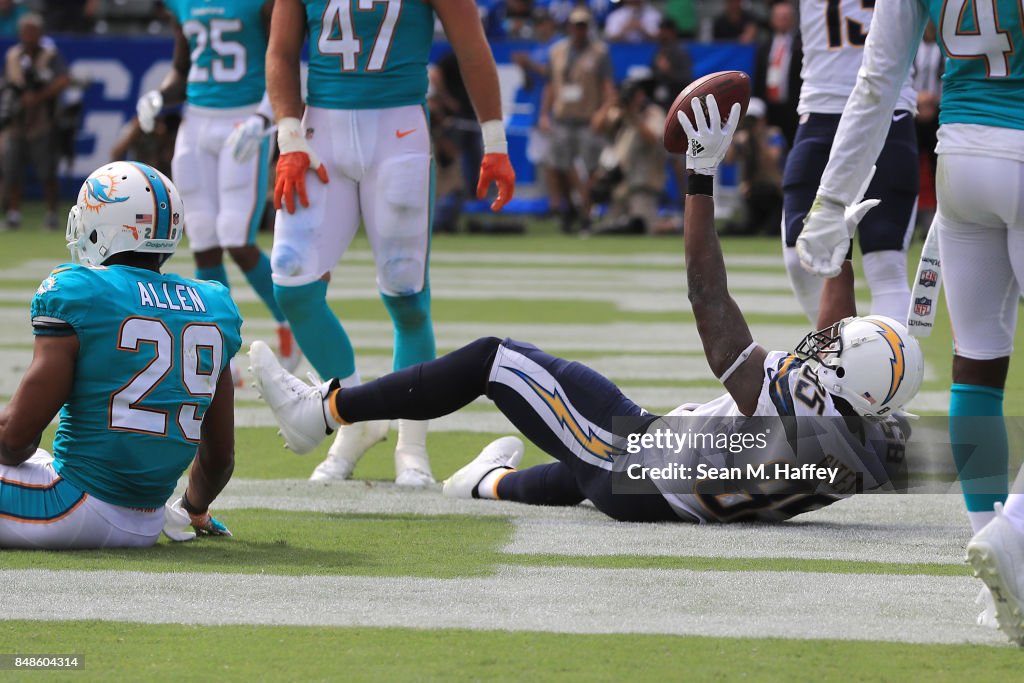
(900, 117)
(403, 133)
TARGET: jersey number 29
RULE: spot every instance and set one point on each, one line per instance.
(347, 44)
(125, 412)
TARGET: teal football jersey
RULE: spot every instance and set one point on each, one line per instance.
(983, 41)
(368, 54)
(151, 348)
(228, 43)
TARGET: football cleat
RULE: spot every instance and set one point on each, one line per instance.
(297, 406)
(288, 351)
(987, 616)
(349, 446)
(997, 555)
(503, 453)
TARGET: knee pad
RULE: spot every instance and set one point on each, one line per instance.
(299, 303)
(402, 275)
(286, 261)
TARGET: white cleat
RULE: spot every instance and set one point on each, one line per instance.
(987, 617)
(288, 351)
(503, 453)
(997, 555)
(349, 446)
(297, 406)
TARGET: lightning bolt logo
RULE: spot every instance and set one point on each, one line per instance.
(892, 338)
(593, 444)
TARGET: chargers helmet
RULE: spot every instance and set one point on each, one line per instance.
(871, 362)
(125, 206)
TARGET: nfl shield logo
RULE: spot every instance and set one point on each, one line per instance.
(929, 278)
(922, 306)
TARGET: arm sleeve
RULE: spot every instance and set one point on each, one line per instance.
(896, 30)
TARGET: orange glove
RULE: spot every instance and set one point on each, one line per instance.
(291, 179)
(296, 159)
(496, 168)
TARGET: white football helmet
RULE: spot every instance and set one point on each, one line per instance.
(871, 362)
(125, 206)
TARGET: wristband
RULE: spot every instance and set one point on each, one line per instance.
(494, 137)
(189, 507)
(289, 136)
(740, 359)
(700, 184)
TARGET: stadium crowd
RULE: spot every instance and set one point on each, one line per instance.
(594, 142)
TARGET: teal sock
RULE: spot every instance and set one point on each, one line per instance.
(414, 330)
(316, 329)
(260, 280)
(217, 273)
(979, 443)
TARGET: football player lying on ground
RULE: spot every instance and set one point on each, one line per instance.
(136, 363)
(860, 369)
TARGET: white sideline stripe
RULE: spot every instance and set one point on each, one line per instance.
(894, 529)
(672, 257)
(910, 609)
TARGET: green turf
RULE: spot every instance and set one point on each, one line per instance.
(444, 546)
(128, 651)
(260, 454)
(298, 543)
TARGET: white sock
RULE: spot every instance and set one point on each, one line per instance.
(488, 486)
(886, 273)
(1013, 510)
(980, 519)
(806, 286)
(411, 447)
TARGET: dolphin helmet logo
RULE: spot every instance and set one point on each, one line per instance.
(101, 190)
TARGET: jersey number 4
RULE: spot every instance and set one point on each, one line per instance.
(985, 41)
(197, 340)
(344, 42)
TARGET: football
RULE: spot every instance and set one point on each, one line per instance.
(728, 87)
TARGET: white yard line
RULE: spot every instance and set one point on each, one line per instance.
(910, 609)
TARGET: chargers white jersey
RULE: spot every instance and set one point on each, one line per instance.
(858, 454)
(834, 33)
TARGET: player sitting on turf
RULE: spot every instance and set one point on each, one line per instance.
(859, 370)
(135, 361)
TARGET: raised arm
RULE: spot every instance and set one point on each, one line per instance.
(723, 330)
(43, 390)
(461, 21)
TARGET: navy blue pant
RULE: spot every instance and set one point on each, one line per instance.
(565, 408)
(896, 181)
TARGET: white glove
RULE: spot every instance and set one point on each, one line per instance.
(147, 108)
(245, 140)
(828, 228)
(709, 141)
(177, 522)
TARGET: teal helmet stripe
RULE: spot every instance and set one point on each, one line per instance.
(161, 201)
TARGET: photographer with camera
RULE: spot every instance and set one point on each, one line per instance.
(631, 173)
(34, 77)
